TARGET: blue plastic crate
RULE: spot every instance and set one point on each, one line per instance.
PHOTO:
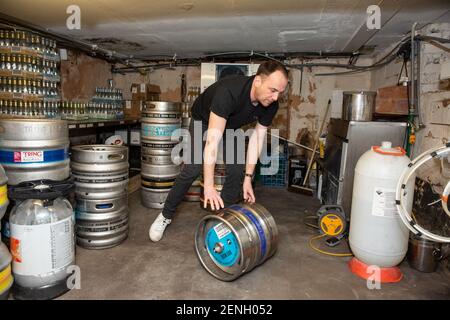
(278, 179)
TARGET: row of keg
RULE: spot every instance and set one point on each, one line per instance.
(159, 120)
(35, 155)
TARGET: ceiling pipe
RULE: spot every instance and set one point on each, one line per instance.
(91, 49)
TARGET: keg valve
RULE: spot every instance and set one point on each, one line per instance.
(218, 248)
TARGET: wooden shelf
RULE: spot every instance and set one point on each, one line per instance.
(98, 123)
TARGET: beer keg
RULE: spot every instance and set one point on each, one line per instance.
(154, 193)
(100, 171)
(159, 119)
(101, 179)
(101, 224)
(235, 240)
(34, 149)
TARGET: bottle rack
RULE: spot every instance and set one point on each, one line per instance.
(106, 104)
(29, 75)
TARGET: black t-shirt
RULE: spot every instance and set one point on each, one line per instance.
(229, 98)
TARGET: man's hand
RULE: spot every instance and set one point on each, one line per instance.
(210, 194)
(247, 189)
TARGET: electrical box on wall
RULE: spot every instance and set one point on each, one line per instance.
(440, 112)
(211, 72)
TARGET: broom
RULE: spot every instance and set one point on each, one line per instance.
(303, 188)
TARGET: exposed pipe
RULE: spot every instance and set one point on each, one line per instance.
(442, 40)
(419, 84)
(70, 42)
(412, 107)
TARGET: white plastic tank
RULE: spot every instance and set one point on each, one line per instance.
(377, 233)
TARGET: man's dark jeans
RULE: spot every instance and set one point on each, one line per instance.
(233, 181)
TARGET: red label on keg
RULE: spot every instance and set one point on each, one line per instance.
(28, 156)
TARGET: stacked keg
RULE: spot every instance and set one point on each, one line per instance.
(158, 171)
(193, 194)
(32, 151)
(101, 180)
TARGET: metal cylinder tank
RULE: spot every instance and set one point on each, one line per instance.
(34, 149)
(236, 240)
(101, 179)
(159, 119)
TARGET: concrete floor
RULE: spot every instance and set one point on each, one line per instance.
(170, 269)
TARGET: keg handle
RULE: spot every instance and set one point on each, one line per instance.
(437, 254)
(116, 156)
(104, 206)
(150, 106)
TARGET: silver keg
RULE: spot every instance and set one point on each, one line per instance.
(102, 224)
(160, 172)
(154, 198)
(34, 149)
(159, 119)
(157, 148)
(100, 171)
(101, 180)
(194, 192)
(236, 240)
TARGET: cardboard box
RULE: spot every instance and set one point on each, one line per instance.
(132, 108)
(392, 100)
(145, 91)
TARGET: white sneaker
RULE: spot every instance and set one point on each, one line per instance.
(157, 229)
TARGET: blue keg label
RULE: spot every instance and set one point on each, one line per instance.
(35, 156)
(222, 245)
(259, 228)
(158, 130)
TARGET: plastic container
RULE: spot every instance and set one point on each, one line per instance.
(377, 234)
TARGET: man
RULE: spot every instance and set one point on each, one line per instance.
(230, 103)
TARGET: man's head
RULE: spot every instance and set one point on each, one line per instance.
(270, 81)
